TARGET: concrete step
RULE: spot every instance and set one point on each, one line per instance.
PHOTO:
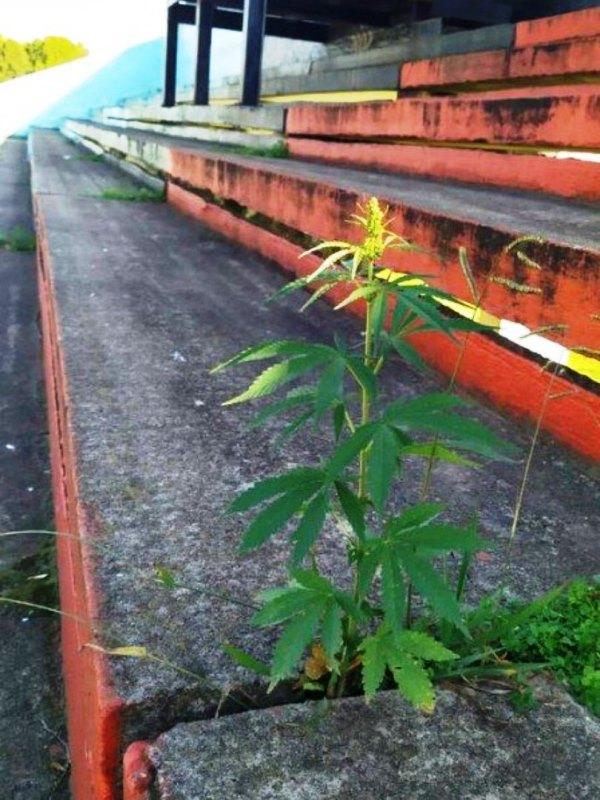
(567, 174)
(138, 304)
(260, 127)
(317, 201)
(540, 138)
(472, 748)
(573, 61)
(567, 116)
(561, 27)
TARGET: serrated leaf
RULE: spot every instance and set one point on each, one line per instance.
(424, 407)
(407, 352)
(364, 376)
(330, 387)
(413, 682)
(281, 605)
(293, 427)
(296, 397)
(310, 527)
(278, 375)
(367, 566)
(383, 466)
(277, 484)
(339, 418)
(393, 590)
(442, 539)
(266, 350)
(352, 507)
(414, 517)
(378, 315)
(438, 451)
(425, 308)
(349, 449)
(432, 587)
(423, 646)
(245, 660)
(274, 517)
(361, 293)
(374, 663)
(294, 640)
(311, 580)
(331, 631)
(464, 433)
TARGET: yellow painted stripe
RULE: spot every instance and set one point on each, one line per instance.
(318, 97)
(580, 363)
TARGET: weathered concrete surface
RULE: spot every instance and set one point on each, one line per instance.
(571, 223)
(148, 302)
(30, 694)
(472, 748)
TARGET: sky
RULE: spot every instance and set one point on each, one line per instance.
(103, 26)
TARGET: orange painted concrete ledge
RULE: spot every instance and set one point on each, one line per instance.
(574, 25)
(579, 57)
(569, 285)
(137, 772)
(565, 177)
(93, 709)
(510, 381)
(563, 116)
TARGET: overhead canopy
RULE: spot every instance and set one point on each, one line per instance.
(316, 21)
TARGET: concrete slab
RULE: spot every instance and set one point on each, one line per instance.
(30, 691)
(318, 200)
(269, 118)
(571, 223)
(147, 303)
(473, 747)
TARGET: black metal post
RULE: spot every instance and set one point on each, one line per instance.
(204, 28)
(255, 13)
(171, 57)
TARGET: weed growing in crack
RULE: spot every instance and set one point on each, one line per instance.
(142, 195)
(18, 239)
(393, 554)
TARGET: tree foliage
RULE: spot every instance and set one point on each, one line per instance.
(17, 58)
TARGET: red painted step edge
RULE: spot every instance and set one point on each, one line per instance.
(138, 772)
(556, 116)
(577, 57)
(512, 382)
(93, 709)
(563, 177)
(566, 289)
(574, 25)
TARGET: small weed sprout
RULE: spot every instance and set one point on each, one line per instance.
(372, 629)
(142, 195)
(18, 239)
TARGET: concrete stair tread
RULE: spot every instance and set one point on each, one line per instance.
(147, 302)
(471, 747)
(572, 223)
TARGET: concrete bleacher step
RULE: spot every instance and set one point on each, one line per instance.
(563, 116)
(138, 303)
(472, 748)
(317, 201)
(260, 127)
(565, 62)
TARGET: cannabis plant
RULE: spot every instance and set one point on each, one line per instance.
(373, 633)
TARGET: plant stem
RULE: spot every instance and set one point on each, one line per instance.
(365, 415)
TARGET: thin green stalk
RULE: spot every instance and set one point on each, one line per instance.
(365, 415)
(529, 460)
